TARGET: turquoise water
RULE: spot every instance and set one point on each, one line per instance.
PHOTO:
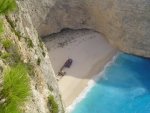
(124, 88)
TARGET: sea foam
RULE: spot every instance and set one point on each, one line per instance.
(91, 83)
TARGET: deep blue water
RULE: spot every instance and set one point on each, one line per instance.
(124, 88)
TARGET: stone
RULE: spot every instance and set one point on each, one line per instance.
(125, 23)
(19, 28)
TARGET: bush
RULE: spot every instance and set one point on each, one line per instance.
(1, 26)
(7, 6)
(53, 105)
(5, 55)
(29, 43)
(6, 43)
(15, 90)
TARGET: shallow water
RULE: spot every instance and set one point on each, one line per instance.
(124, 88)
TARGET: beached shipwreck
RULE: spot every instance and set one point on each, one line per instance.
(124, 23)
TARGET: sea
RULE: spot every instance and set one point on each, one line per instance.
(122, 87)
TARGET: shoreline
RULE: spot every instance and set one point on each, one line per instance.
(90, 85)
(83, 83)
(90, 53)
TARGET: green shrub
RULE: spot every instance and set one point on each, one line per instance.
(53, 105)
(29, 43)
(1, 26)
(11, 108)
(7, 6)
(6, 43)
(5, 55)
(15, 90)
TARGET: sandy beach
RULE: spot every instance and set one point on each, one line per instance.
(89, 51)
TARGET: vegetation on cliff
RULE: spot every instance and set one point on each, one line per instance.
(15, 83)
(53, 104)
(1, 26)
(17, 67)
(7, 6)
(15, 89)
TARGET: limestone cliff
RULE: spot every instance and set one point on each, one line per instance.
(125, 23)
(19, 31)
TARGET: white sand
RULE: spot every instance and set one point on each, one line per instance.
(89, 51)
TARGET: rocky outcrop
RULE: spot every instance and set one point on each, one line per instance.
(125, 23)
(19, 29)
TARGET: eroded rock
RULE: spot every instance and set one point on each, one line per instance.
(125, 23)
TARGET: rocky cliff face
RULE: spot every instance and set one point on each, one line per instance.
(20, 31)
(125, 23)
